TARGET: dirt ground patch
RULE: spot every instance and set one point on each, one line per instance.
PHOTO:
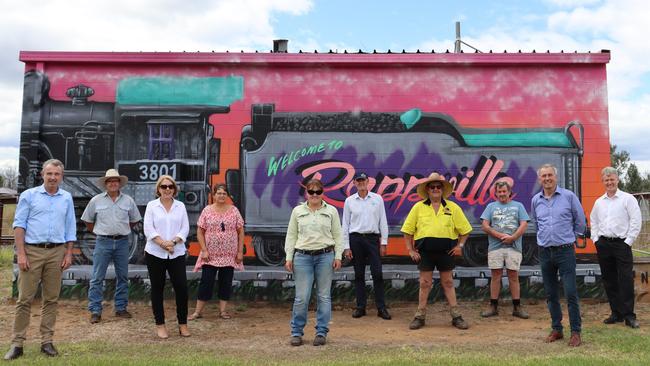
(265, 327)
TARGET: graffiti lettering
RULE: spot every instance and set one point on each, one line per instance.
(287, 159)
(468, 186)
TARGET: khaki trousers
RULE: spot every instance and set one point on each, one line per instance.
(44, 268)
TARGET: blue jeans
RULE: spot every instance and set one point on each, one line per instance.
(107, 250)
(306, 269)
(562, 260)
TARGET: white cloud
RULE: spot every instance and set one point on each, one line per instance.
(572, 3)
(616, 25)
(124, 25)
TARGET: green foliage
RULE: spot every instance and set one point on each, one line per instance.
(634, 182)
(620, 160)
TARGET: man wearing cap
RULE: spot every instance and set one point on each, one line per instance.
(505, 221)
(440, 230)
(559, 217)
(110, 216)
(615, 225)
(44, 231)
(365, 237)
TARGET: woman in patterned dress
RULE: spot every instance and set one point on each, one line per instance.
(220, 230)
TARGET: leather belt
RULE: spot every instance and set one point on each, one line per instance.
(45, 245)
(113, 237)
(605, 238)
(365, 234)
(315, 252)
(561, 246)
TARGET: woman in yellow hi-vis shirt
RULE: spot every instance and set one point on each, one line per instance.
(435, 230)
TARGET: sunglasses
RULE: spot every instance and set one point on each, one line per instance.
(312, 192)
(223, 227)
(166, 186)
(435, 186)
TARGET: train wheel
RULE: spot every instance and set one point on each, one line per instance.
(475, 254)
(269, 250)
(137, 241)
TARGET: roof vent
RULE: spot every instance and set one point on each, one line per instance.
(280, 45)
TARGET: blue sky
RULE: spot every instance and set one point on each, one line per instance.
(219, 25)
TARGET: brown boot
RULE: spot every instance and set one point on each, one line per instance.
(491, 311)
(417, 323)
(575, 340)
(519, 312)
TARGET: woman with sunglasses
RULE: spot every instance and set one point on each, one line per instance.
(313, 251)
(440, 230)
(166, 227)
(220, 231)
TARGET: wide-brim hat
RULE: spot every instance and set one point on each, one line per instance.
(434, 177)
(112, 173)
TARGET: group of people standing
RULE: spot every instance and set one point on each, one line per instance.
(435, 231)
(45, 230)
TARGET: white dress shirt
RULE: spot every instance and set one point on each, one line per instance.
(166, 225)
(618, 216)
(364, 215)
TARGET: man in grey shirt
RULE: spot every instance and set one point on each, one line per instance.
(110, 216)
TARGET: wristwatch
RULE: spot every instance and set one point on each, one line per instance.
(175, 241)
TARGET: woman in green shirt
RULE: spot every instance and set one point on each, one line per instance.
(314, 249)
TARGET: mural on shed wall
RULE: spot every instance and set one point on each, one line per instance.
(265, 143)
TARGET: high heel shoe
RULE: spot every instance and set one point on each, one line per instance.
(161, 332)
(184, 332)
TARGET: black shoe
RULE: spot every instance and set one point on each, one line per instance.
(612, 319)
(124, 314)
(95, 318)
(358, 312)
(384, 314)
(13, 353)
(320, 340)
(296, 341)
(48, 349)
(632, 323)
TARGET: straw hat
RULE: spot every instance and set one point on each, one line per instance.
(112, 173)
(434, 177)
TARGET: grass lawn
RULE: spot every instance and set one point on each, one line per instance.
(259, 335)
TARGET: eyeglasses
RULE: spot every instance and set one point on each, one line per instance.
(223, 227)
(312, 192)
(435, 186)
(166, 186)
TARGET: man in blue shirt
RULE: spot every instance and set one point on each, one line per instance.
(559, 217)
(44, 231)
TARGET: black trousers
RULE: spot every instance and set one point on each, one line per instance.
(616, 267)
(224, 279)
(158, 268)
(365, 251)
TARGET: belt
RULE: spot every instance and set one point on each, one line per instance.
(365, 234)
(315, 252)
(561, 246)
(45, 245)
(605, 238)
(113, 237)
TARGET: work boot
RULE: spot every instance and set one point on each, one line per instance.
(459, 323)
(491, 311)
(519, 312)
(417, 323)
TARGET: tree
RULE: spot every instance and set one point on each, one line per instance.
(620, 160)
(9, 177)
(634, 182)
